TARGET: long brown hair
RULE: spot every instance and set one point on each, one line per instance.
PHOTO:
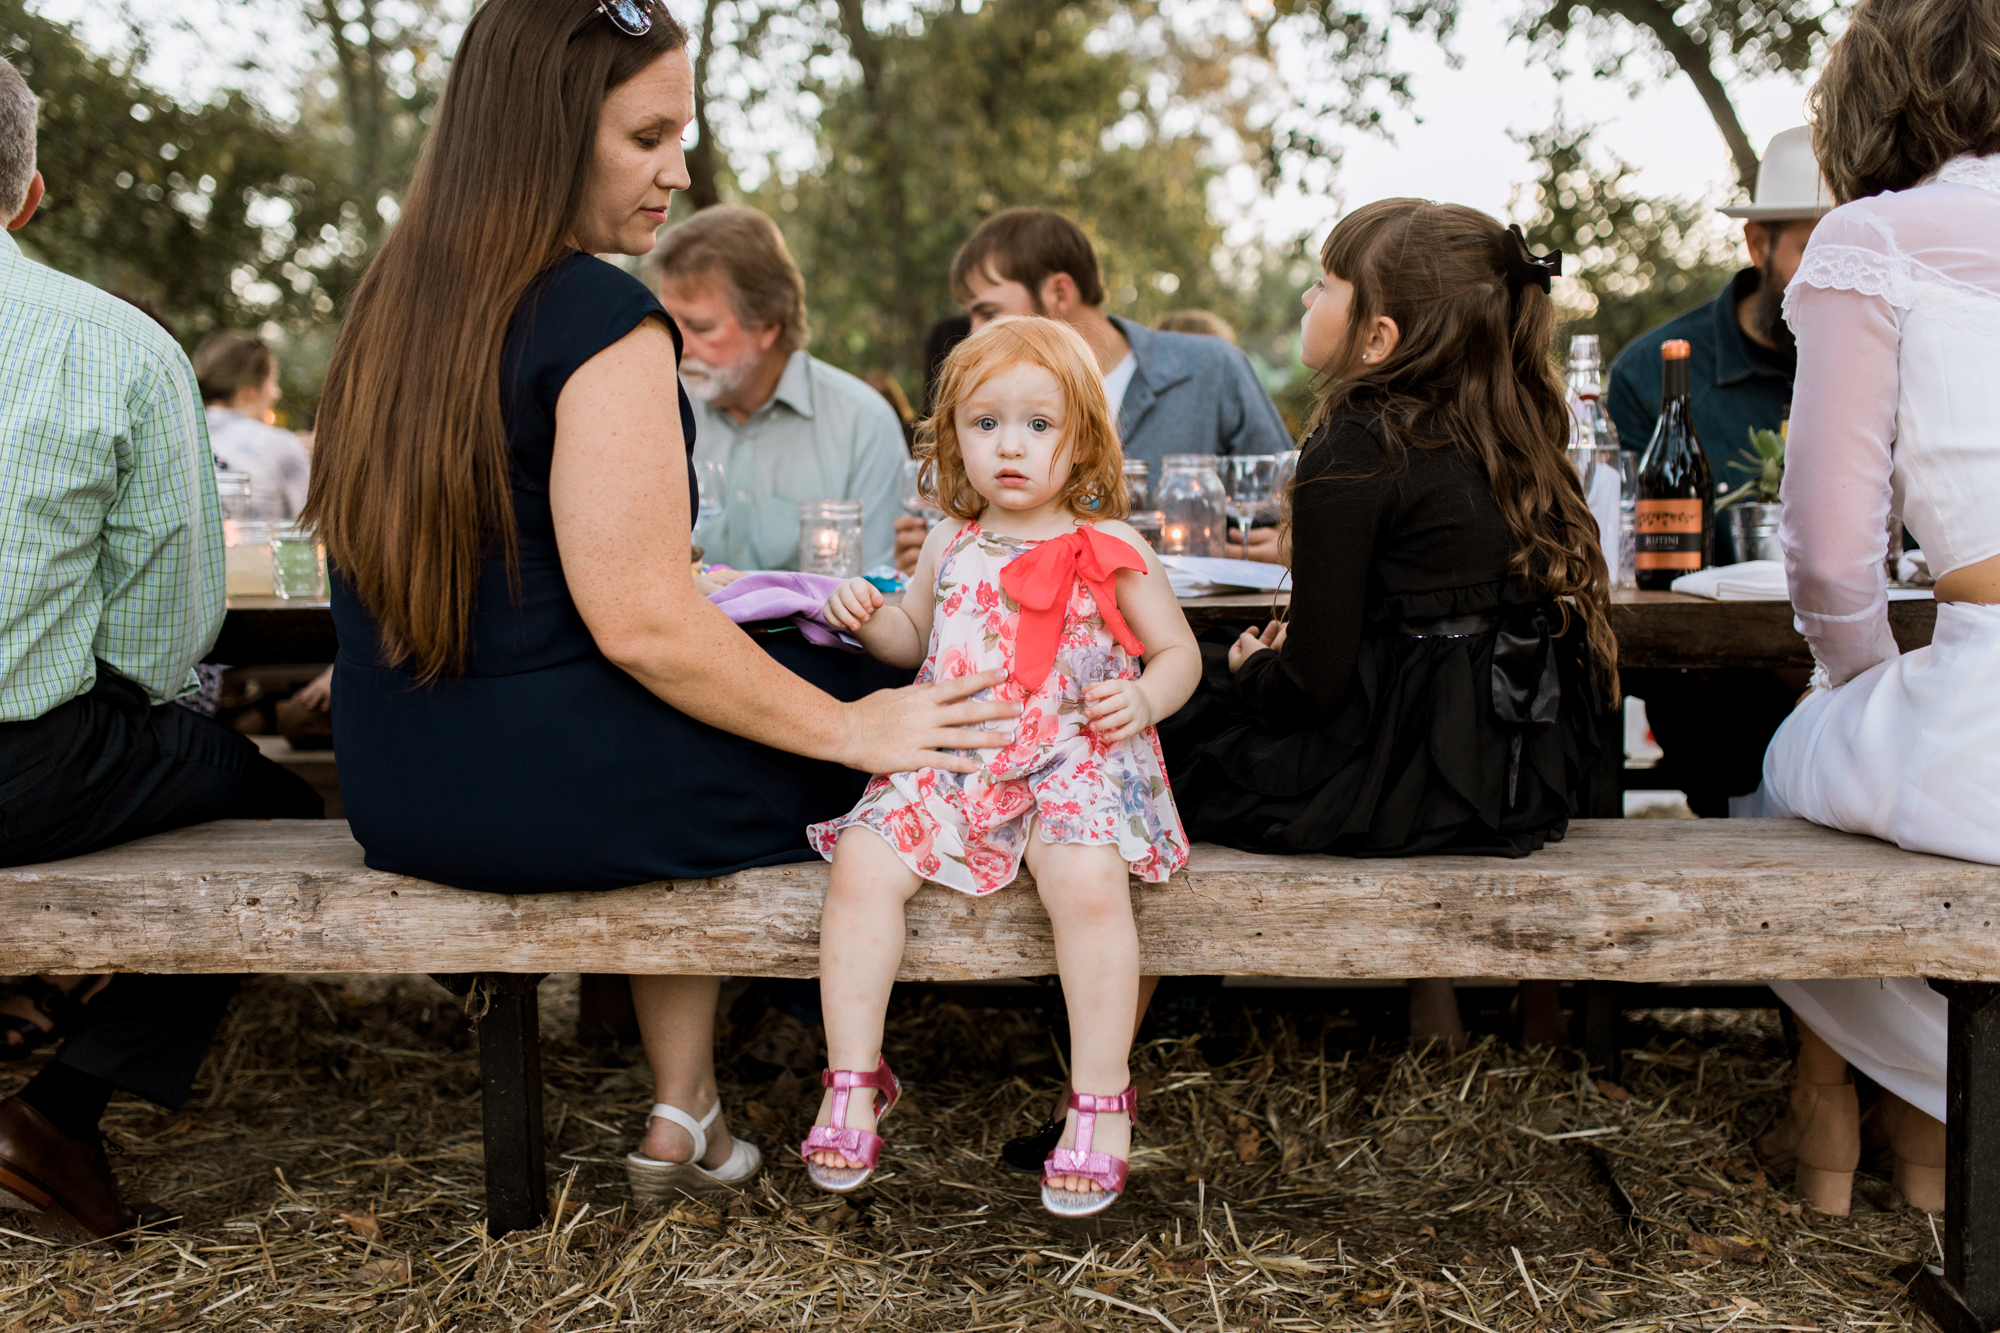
(1472, 370)
(410, 477)
(1096, 485)
(1910, 85)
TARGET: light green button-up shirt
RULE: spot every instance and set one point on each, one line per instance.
(110, 530)
(824, 435)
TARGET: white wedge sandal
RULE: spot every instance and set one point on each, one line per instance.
(659, 1182)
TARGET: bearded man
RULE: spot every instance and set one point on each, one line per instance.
(1741, 352)
(785, 427)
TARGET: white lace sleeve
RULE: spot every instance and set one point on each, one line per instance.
(1838, 464)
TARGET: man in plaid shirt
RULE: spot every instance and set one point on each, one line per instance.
(110, 590)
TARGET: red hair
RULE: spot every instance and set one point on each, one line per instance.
(1096, 486)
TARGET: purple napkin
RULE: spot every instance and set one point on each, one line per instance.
(786, 595)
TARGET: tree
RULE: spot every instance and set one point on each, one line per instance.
(386, 60)
(213, 211)
(1631, 261)
(1709, 41)
(957, 116)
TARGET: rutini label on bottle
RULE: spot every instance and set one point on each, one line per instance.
(1666, 534)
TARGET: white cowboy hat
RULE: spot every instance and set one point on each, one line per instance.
(1788, 182)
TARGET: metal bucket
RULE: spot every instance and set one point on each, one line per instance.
(1748, 532)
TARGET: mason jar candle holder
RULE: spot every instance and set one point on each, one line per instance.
(830, 538)
(1194, 508)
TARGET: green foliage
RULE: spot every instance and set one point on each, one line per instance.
(1712, 42)
(1631, 262)
(220, 215)
(966, 113)
(1764, 461)
(212, 211)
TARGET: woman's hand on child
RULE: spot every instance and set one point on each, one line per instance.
(1117, 709)
(1250, 641)
(927, 726)
(853, 604)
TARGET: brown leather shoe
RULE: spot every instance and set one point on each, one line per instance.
(64, 1180)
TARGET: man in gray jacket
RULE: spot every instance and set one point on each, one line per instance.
(1175, 393)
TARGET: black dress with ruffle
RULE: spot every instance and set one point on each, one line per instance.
(1424, 700)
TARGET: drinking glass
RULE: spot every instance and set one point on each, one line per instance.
(1252, 483)
(1626, 575)
(711, 490)
(1138, 490)
(246, 559)
(233, 490)
(298, 564)
(916, 502)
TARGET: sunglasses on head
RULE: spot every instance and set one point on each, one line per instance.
(628, 16)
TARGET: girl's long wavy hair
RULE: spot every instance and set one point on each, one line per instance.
(1472, 370)
(410, 485)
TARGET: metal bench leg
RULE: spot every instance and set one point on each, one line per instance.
(1964, 1296)
(1604, 1028)
(510, 1082)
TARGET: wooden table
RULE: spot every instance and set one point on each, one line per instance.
(1655, 629)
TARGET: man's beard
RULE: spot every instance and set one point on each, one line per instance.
(709, 383)
(1769, 316)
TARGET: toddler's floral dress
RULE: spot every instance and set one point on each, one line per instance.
(969, 830)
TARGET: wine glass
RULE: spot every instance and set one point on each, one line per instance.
(711, 488)
(915, 502)
(1252, 483)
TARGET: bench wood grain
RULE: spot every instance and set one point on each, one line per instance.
(1625, 900)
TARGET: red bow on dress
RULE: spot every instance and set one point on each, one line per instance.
(1040, 582)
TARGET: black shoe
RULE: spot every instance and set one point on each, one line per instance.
(1030, 1151)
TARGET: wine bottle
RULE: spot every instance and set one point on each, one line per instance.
(1676, 508)
(1593, 449)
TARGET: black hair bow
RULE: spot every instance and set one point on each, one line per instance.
(1526, 268)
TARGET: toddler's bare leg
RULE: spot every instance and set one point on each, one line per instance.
(860, 948)
(1087, 894)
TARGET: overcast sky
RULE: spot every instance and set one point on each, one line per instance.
(1461, 151)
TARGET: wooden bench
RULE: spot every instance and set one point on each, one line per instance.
(1616, 902)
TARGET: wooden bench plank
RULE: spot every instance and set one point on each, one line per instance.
(1637, 900)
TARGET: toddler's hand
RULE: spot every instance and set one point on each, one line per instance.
(1117, 709)
(853, 604)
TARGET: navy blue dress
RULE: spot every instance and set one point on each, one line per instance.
(545, 767)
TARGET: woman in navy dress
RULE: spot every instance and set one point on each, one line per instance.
(534, 693)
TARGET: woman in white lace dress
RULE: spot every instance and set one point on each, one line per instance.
(1897, 410)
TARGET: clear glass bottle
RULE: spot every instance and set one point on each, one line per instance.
(1593, 449)
(830, 538)
(1194, 508)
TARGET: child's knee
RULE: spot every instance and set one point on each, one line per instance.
(1095, 897)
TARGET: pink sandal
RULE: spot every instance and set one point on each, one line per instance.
(1103, 1168)
(853, 1144)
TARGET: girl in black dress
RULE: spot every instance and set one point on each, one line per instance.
(1448, 651)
